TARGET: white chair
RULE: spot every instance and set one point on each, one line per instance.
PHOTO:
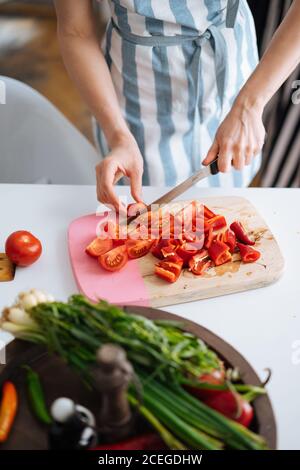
(37, 143)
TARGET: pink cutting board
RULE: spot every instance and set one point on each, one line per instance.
(137, 284)
(123, 287)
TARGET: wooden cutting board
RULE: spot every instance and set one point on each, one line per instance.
(137, 284)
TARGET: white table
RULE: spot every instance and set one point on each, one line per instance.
(264, 325)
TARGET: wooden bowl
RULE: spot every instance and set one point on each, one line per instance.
(59, 380)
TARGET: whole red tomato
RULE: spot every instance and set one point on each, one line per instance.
(23, 248)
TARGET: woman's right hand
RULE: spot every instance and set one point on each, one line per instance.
(124, 159)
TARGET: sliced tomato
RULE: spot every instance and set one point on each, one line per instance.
(199, 263)
(115, 259)
(99, 246)
(138, 248)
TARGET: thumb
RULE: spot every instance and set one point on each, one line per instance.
(136, 185)
(212, 153)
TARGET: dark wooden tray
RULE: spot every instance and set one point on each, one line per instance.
(59, 380)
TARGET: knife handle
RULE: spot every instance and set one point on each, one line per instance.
(214, 168)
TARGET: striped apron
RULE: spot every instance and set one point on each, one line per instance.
(177, 67)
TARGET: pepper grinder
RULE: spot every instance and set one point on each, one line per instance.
(111, 379)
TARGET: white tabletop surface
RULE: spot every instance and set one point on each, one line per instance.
(263, 324)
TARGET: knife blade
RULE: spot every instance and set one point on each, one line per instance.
(208, 170)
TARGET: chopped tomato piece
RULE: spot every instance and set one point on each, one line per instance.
(200, 263)
(219, 252)
(115, 259)
(248, 254)
(138, 248)
(98, 247)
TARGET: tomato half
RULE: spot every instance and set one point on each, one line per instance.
(115, 259)
(23, 248)
(98, 247)
(138, 248)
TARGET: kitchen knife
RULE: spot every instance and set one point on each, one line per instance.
(206, 171)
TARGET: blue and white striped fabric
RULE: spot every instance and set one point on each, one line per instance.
(177, 66)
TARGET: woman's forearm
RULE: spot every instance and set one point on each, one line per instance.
(280, 59)
(87, 67)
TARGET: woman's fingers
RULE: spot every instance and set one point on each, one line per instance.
(212, 153)
(106, 173)
(136, 184)
(225, 156)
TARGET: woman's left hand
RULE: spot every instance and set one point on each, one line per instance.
(239, 138)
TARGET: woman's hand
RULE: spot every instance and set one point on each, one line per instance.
(124, 159)
(239, 138)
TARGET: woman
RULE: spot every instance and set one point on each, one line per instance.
(177, 80)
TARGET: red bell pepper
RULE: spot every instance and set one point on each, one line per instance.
(230, 239)
(170, 268)
(216, 223)
(208, 214)
(241, 233)
(199, 263)
(186, 252)
(209, 238)
(248, 254)
(219, 252)
(157, 247)
(145, 442)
